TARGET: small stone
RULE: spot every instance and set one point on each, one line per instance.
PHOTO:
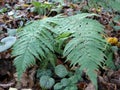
(12, 88)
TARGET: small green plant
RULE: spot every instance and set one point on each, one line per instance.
(47, 81)
(42, 8)
(69, 83)
(77, 37)
(3, 10)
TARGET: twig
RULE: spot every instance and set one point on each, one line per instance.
(7, 85)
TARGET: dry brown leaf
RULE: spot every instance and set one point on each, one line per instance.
(82, 85)
(104, 85)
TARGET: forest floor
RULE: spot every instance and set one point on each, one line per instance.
(16, 14)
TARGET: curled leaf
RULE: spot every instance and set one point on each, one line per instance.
(7, 42)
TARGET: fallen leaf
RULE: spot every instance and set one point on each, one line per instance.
(25, 5)
(90, 87)
(7, 42)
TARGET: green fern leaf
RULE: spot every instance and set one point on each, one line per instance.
(87, 45)
(34, 41)
(67, 25)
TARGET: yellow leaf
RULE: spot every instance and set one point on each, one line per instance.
(25, 5)
(112, 40)
(98, 9)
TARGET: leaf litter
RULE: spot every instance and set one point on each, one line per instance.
(16, 13)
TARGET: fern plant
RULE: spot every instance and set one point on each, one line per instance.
(34, 41)
(85, 45)
(42, 8)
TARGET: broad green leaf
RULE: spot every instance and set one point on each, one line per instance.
(58, 86)
(43, 72)
(46, 82)
(61, 71)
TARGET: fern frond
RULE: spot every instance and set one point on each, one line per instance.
(87, 45)
(67, 25)
(34, 41)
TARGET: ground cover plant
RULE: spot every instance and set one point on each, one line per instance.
(62, 45)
